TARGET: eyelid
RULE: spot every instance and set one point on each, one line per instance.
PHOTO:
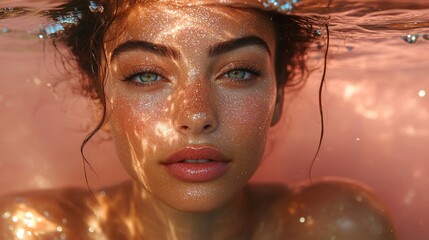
(143, 69)
(244, 66)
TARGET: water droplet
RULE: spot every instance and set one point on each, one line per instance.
(70, 19)
(95, 7)
(410, 38)
(286, 7)
(422, 93)
(281, 6)
(51, 30)
(318, 33)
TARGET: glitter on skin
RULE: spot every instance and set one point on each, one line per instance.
(240, 113)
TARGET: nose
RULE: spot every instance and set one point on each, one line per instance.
(194, 111)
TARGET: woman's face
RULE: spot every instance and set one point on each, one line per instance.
(191, 94)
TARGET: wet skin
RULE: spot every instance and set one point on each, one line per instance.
(196, 87)
(194, 78)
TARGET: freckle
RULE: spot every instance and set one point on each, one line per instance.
(292, 210)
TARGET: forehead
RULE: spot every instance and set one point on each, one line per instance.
(186, 25)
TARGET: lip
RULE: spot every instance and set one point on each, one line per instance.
(193, 171)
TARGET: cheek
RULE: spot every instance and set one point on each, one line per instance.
(139, 128)
(247, 119)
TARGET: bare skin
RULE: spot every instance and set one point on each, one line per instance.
(194, 77)
(326, 210)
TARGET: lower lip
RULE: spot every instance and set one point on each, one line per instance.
(197, 172)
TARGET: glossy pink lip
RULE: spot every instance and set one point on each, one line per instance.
(215, 167)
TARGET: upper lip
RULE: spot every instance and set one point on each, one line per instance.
(196, 153)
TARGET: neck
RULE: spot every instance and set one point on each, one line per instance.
(160, 221)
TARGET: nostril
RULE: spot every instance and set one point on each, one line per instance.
(207, 127)
(184, 127)
(196, 123)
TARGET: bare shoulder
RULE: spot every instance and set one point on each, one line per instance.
(334, 209)
(53, 214)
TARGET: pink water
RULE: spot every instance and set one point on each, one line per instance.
(376, 103)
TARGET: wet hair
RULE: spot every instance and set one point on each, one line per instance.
(85, 41)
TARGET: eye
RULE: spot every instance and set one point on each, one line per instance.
(239, 74)
(146, 77)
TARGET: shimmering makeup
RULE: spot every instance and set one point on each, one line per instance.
(176, 81)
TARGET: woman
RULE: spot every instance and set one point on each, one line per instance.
(189, 90)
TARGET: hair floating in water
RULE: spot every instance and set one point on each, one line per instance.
(322, 118)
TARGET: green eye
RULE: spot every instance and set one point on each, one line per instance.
(147, 77)
(238, 74)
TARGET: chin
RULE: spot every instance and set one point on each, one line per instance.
(201, 198)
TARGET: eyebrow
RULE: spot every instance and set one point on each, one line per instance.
(215, 50)
(157, 49)
(224, 47)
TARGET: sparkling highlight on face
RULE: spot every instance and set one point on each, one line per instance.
(197, 101)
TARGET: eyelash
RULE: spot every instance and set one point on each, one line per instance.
(248, 69)
(140, 72)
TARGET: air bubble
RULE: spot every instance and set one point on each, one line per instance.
(95, 7)
(281, 6)
(53, 29)
(318, 33)
(70, 19)
(286, 7)
(5, 30)
(410, 38)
